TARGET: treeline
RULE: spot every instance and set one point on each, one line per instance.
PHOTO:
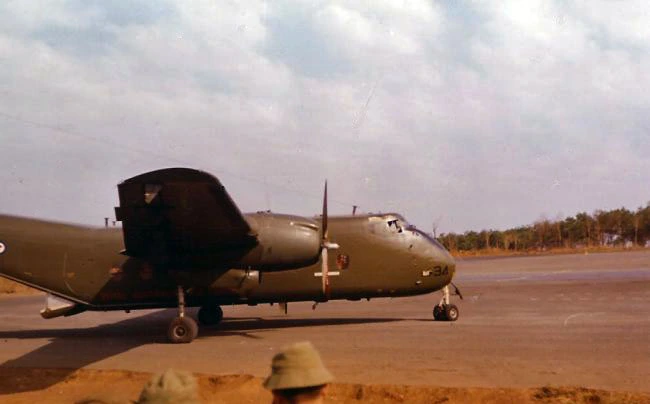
(618, 227)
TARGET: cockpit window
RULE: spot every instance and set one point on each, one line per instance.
(431, 239)
(394, 225)
(387, 224)
(437, 243)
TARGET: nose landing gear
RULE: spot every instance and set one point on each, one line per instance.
(445, 311)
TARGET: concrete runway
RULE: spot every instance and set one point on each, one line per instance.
(578, 320)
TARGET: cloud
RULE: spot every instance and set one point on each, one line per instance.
(488, 114)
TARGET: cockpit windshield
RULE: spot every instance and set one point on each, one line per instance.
(428, 237)
(394, 224)
(390, 223)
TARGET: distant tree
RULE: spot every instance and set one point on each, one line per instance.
(637, 221)
(584, 223)
(542, 227)
(599, 220)
(485, 236)
(573, 232)
(557, 225)
(509, 240)
(619, 225)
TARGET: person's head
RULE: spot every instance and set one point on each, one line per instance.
(298, 375)
(304, 395)
(170, 387)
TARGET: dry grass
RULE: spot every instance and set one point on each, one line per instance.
(23, 385)
(11, 287)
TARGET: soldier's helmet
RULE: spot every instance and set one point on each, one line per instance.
(297, 366)
(170, 387)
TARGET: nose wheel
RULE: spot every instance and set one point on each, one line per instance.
(445, 311)
(448, 312)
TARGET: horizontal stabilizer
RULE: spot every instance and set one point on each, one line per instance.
(56, 307)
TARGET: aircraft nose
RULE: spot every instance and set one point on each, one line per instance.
(436, 267)
(442, 262)
(450, 262)
(452, 268)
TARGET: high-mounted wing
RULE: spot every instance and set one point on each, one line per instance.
(179, 211)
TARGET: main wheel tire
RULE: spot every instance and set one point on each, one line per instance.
(451, 312)
(182, 330)
(210, 315)
(438, 313)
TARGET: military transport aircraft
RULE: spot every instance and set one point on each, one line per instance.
(184, 242)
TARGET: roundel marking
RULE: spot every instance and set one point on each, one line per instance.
(342, 261)
(3, 248)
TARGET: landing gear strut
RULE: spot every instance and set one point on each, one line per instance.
(182, 329)
(210, 314)
(445, 311)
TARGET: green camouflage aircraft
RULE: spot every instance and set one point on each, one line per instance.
(184, 242)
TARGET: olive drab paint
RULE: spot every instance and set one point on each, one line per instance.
(175, 239)
(85, 265)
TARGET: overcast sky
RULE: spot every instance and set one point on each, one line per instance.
(473, 114)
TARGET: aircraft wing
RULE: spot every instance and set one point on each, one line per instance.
(179, 211)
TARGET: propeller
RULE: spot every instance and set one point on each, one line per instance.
(324, 247)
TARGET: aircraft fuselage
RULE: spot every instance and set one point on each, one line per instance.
(379, 256)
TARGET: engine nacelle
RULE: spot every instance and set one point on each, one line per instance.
(284, 242)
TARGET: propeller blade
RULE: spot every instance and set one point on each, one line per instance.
(325, 246)
(324, 218)
(325, 273)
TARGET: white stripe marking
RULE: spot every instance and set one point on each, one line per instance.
(566, 321)
(520, 278)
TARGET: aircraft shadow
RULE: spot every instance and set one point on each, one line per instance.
(241, 326)
(71, 349)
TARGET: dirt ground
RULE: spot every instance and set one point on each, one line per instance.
(10, 287)
(528, 326)
(123, 387)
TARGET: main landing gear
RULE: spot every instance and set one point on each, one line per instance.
(210, 314)
(445, 311)
(183, 329)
